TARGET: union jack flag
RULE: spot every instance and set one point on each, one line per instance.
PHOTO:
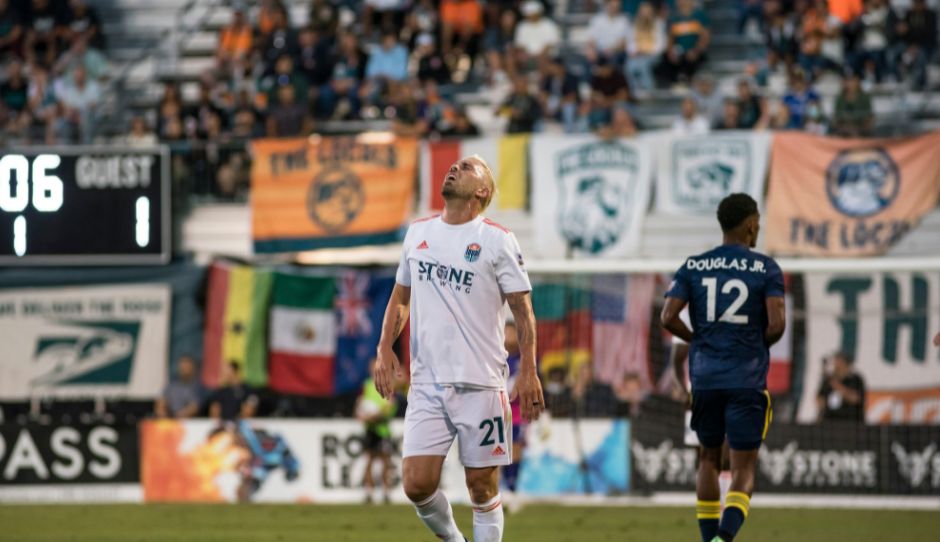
(353, 304)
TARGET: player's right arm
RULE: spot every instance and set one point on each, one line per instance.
(387, 366)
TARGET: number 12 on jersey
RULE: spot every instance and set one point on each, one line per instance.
(730, 315)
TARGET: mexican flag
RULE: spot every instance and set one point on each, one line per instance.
(507, 157)
(236, 323)
(302, 335)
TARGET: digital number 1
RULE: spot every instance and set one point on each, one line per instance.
(142, 209)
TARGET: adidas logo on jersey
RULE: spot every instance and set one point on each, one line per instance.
(423, 245)
(498, 451)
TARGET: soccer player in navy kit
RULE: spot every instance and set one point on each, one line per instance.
(736, 306)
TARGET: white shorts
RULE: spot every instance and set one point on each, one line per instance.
(480, 419)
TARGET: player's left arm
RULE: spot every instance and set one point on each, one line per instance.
(527, 388)
(776, 304)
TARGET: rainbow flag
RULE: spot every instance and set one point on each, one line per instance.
(236, 323)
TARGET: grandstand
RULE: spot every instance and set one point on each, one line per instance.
(165, 191)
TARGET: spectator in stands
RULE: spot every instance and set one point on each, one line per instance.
(423, 18)
(498, 44)
(841, 396)
(846, 10)
(287, 117)
(593, 399)
(853, 113)
(169, 109)
(315, 59)
(14, 100)
(383, 14)
(323, 17)
(608, 34)
(431, 63)
(196, 116)
(11, 29)
(84, 23)
(244, 118)
(707, 98)
(597, 114)
(94, 61)
(43, 106)
(282, 40)
(610, 82)
(750, 11)
(537, 37)
(461, 32)
(234, 400)
(78, 99)
(558, 399)
(688, 41)
(43, 28)
(690, 121)
(140, 134)
(917, 44)
(816, 121)
(621, 123)
(751, 108)
(340, 98)
(730, 116)
(777, 117)
(460, 126)
(268, 12)
(235, 40)
(284, 74)
(521, 107)
(630, 394)
(797, 99)
(782, 36)
(182, 397)
(645, 45)
(877, 31)
(558, 94)
(820, 36)
(387, 67)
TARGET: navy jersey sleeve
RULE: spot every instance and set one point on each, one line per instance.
(774, 283)
(680, 286)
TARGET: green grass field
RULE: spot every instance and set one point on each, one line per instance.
(258, 523)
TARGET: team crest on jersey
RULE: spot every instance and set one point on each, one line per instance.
(596, 184)
(862, 182)
(472, 253)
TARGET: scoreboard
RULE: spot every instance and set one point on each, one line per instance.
(97, 205)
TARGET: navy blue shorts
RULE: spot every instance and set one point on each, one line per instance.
(744, 415)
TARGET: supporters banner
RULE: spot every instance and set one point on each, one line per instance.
(361, 298)
(507, 157)
(293, 461)
(322, 192)
(694, 173)
(590, 195)
(838, 197)
(102, 341)
(887, 321)
(69, 462)
(565, 457)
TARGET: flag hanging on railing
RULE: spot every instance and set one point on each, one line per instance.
(361, 298)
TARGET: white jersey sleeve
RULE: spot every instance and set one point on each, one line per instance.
(510, 267)
(403, 275)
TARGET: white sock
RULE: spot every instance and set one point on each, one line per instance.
(488, 520)
(436, 513)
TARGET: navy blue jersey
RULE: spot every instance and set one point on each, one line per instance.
(726, 289)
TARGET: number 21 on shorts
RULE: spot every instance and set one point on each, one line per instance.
(489, 425)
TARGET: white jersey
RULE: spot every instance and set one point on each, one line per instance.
(459, 276)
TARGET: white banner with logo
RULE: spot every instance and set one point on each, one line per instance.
(106, 341)
(293, 461)
(589, 195)
(888, 321)
(694, 173)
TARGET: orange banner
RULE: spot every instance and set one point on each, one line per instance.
(841, 197)
(321, 192)
(920, 406)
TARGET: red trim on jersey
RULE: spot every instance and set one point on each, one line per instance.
(495, 225)
(425, 219)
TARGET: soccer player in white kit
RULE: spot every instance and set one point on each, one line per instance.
(456, 271)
